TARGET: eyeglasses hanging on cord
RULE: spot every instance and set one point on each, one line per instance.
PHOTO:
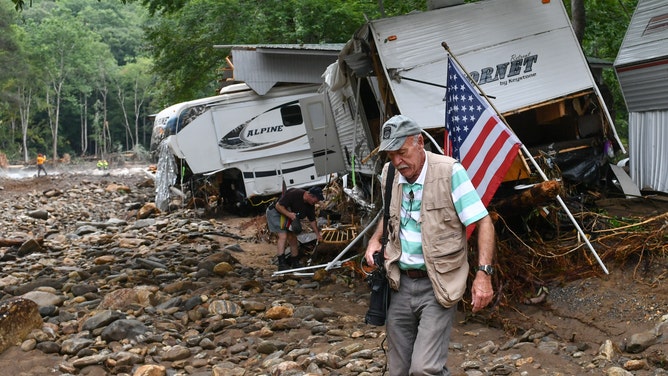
(409, 212)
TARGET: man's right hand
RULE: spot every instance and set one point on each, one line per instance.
(372, 248)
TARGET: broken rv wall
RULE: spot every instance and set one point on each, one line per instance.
(523, 54)
(642, 70)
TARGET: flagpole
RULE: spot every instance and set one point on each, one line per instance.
(530, 157)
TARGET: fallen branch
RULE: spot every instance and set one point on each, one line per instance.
(17, 242)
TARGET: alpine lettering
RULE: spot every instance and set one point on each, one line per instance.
(263, 130)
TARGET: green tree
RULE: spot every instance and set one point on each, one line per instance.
(98, 56)
(64, 43)
(132, 85)
(11, 59)
(135, 81)
(25, 83)
(119, 26)
(102, 82)
(182, 47)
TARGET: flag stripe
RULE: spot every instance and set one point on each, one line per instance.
(479, 144)
(476, 136)
(490, 155)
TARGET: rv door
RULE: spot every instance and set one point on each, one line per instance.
(322, 135)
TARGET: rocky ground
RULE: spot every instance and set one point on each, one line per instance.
(121, 289)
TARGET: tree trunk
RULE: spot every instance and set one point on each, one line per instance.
(578, 18)
(84, 126)
(25, 99)
(129, 139)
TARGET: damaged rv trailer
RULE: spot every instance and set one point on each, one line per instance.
(642, 69)
(522, 54)
(249, 140)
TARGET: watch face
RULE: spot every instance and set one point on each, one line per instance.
(486, 268)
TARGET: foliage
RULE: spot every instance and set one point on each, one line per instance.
(183, 42)
(70, 51)
(607, 21)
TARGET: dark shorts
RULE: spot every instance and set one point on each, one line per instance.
(276, 221)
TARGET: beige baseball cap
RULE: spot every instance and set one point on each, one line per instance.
(395, 131)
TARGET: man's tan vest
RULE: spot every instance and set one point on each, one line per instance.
(443, 235)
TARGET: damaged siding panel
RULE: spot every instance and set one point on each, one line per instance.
(648, 154)
(642, 62)
(645, 39)
(644, 87)
(352, 136)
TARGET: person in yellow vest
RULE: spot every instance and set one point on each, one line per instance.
(40, 164)
(102, 164)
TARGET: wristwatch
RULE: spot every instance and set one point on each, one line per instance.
(488, 269)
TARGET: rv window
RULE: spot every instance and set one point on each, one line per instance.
(292, 115)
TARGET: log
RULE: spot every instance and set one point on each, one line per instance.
(534, 196)
(17, 242)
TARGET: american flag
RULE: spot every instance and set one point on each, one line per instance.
(475, 135)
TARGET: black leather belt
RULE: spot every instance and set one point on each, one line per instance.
(414, 273)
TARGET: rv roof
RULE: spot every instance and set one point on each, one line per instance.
(306, 47)
(234, 88)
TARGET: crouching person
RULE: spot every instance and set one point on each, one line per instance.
(284, 219)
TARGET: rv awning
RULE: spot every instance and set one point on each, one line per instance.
(262, 66)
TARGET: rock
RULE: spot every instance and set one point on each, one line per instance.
(119, 299)
(55, 283)
(147, 211)
(43, 298)
(225, 308)
(176, 353)
(101, 319)
(28, 247)
(18, 317)
(39, 214)
(222, 268)
(72, 346)
(278, 312)
(617, 371)
(113, 187)
(640, 341)
(608, 350)
(635, 364)
(124, 329)
(150, 370)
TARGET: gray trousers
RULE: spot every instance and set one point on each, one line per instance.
(418, 330)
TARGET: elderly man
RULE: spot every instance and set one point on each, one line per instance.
(432, 202)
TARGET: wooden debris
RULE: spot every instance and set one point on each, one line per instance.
(540, 193)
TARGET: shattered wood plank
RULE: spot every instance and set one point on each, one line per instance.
(536, 195)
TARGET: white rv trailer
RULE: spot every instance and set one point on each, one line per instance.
(255, 144)
(523, 55)
(642, 69)
(250, 140)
